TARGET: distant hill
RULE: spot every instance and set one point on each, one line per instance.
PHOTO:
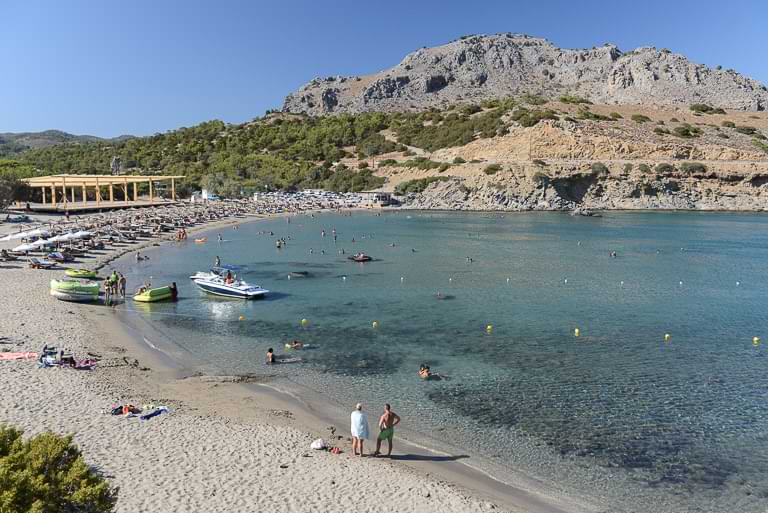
(483, 67)
(14, 143)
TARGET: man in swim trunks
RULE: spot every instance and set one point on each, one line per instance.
(387, 423)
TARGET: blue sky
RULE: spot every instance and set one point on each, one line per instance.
(140, 67)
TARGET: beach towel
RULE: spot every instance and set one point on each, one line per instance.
(17, 356)
(318, 444)
(86, 364)
(154, 413)
(359, 425)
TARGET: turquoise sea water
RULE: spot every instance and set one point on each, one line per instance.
(618, 414)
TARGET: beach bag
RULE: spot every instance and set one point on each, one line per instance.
(318, 444)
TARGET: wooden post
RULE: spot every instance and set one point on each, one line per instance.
(98, 192)
(150, 189)
(173, 189)
(85, 194)
(72, 193)
(64, 191)
(125, 189)
(43, 189)
(135, 192)
(53, 195)
(111, 192)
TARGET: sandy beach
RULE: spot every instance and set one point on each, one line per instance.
(228, 444)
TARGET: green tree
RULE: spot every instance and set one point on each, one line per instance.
(47, 474)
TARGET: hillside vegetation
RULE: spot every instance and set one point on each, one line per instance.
(277, 152)
(12, 144)
(369, 150)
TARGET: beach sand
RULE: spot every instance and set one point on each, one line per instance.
(226, 445)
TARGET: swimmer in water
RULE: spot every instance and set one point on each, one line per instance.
(270, 356)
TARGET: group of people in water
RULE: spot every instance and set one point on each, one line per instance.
(114, 286)
(181, 235)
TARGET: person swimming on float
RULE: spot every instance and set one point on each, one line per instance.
(174, 291)
(295, 344)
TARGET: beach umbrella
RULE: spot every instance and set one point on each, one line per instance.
(82, 234)
(67, 236)
(39, 232)
(23, 248)
(12, 236)
(39, 243)
(56, 238)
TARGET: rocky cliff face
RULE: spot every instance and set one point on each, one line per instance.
(480, 67)
(578, 189)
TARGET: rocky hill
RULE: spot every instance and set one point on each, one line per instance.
(474, 68)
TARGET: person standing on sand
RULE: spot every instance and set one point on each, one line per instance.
(359, 428)
(387, 423)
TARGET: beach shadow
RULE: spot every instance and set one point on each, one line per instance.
(425, 457)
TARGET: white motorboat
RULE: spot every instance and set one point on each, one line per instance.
(215, 271)
(218, 286)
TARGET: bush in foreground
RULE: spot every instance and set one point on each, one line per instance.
(48, 474)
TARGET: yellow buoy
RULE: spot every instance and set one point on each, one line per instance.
(667, 337)
(375, 324)
(576, 332)
(242, 318)
(304, 322)
(755, 341)
(489, 328)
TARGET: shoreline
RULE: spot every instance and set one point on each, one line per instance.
(307, 413)
(459, 484)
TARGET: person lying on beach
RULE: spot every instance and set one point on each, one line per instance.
(270, 356)
(387, 423)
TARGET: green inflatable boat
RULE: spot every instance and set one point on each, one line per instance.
(75, 290)
(80, 273)
(152, 295)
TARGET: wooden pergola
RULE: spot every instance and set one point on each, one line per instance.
(60, 185)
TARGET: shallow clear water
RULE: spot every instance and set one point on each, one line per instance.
(618, 412)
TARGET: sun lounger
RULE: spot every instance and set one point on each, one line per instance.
(41, 263)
